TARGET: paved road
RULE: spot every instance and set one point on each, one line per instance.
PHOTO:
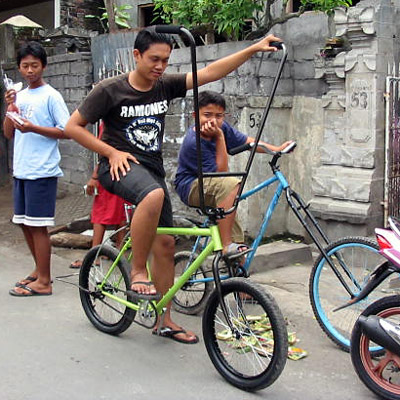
(49, 350)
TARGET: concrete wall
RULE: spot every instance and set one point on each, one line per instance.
(296, 114)
(72, 75)
(348, 185)
(338, 164)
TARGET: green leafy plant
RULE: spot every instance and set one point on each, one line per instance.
(121, 17)
(326, 6)
(224, 17)
(228, 17)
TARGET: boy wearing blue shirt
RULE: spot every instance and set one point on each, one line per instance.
(217, 138)
(42, 115)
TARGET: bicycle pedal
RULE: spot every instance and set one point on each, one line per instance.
(136, 297)
(237, 255)
(146, 315)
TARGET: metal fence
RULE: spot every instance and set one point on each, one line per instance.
(392, 139)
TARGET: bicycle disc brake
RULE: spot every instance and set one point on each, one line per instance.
(146, 314)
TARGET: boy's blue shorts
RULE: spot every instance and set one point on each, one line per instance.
(35, 201)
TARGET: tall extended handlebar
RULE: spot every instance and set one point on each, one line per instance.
(180, 30)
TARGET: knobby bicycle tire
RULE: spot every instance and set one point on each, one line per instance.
(360, 256)
(380, 374)
(254, 355)
(104, 313)
(192, 297)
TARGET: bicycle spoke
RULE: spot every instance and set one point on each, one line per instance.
(355, 259)
(247, 343)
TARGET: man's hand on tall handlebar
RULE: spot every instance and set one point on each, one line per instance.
(264, 43)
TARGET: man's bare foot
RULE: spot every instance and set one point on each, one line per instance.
(141, 284)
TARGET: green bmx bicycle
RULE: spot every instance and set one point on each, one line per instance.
(243, 329)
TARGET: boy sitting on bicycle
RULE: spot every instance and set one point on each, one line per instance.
(217, 137)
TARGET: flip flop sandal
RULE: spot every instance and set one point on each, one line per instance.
(170, 333)
(237, 250)
(29, 278)
(31, 292)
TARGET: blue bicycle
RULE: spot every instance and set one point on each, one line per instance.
(340, 272)
(192, 297)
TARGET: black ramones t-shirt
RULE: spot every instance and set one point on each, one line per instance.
(133, 120)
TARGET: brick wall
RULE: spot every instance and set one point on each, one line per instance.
(72, 13)
(71, 74)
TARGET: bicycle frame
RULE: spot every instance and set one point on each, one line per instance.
(292, 198)
(214, 245)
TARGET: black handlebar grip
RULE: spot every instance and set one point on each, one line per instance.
(169, 29)
(278, 45)
(239, 149)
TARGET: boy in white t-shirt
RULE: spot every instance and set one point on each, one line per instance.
(42, 117)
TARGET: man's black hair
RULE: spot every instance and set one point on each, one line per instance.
(34, 49)
(209, 97)
(148, 36)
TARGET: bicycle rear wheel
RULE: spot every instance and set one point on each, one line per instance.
(380, 374)
(253, 354)
(358, 257)
(105, 313)
(192, 297)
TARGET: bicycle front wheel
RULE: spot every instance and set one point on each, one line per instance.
(355, 258)
(192, 297)
(105, 313)
(250, 349)
(380, 374)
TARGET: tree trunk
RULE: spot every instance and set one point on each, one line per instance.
(112, 26)
(210, 37)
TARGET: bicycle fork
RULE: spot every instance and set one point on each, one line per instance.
(218, 288)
